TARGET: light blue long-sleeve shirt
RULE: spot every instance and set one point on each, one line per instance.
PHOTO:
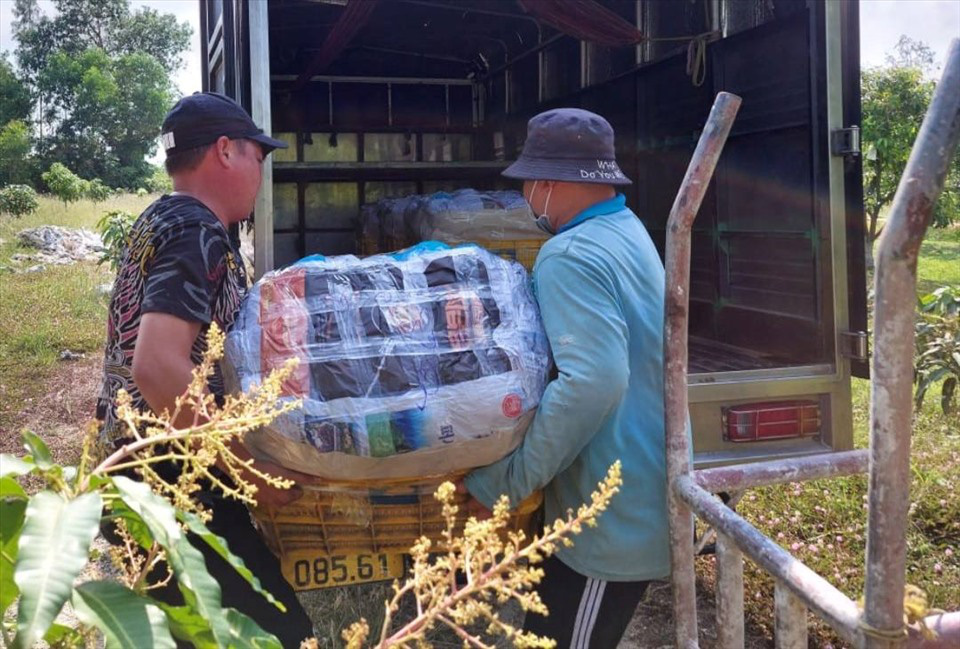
(600, 286)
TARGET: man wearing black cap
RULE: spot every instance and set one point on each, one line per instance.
(181, 272)
(599, 282)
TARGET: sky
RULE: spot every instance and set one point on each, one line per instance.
(935, 22)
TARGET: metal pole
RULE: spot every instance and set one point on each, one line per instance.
(789, 619)
(891, 403)
(677, 267)
(710, 534)
(762, 474)
(838, 610)
(259, 21)
(729, 594)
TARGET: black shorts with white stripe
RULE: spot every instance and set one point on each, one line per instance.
(585, 613)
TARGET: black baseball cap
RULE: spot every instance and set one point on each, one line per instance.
(570, 145)
(202, 117)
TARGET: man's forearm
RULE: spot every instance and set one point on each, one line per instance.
(162, 382)
(571, 412)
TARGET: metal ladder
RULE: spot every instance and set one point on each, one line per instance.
(691, 493)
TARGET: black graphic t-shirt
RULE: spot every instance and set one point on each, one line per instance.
(179, 260)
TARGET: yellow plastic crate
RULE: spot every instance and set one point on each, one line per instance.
(522, 250)
(372, 517)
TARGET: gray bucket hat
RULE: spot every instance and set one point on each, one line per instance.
(570, 145)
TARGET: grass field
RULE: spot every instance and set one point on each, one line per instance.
(47, 312)
(939, 260)
(823, 523)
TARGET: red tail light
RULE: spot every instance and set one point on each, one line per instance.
(754, 422)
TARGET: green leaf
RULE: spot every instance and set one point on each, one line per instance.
(10, 489)
(126, 619)
(12, 522)
(135, 525)
(200, 591)
(13, 505)
(52, 550)
(11, 465)
(59, 635)
(38, 449)
(189, 626)
(219, 545)
(247, 634)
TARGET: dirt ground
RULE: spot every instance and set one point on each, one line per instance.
(60, 415)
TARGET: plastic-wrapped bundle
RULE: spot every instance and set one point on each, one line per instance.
(468, 215)
(426, 361)
(395, 233)
(369, 229)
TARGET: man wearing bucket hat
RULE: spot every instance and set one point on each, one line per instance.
(599, 282)
(180, 272)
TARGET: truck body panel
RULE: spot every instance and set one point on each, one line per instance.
(435, 95)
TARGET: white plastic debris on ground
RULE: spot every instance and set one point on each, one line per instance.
(423, 362)
(59, 246)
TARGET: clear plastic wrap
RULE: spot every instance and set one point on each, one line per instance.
(468, 215)
(369, 229)
(494, 219)
(394, 231)
(424, 361)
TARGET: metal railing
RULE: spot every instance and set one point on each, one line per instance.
(798, 588)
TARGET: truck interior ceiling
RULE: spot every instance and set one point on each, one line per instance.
(392, 97)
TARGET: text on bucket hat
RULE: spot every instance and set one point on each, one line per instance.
(570, 145)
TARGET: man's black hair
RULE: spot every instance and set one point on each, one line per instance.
(190, 159)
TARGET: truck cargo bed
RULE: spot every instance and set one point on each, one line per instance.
(707, 356)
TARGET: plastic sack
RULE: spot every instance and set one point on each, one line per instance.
(468, 215)
(425, 361)
(464, 216)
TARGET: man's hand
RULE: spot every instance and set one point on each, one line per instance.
(270, 496)
(473, 507)
(267, 495)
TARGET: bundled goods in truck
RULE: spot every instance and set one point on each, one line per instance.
(369, 229)
(422, 362)
(394, 214)
(500, 221)
(467, 215)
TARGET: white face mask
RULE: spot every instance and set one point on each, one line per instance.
(543, 221)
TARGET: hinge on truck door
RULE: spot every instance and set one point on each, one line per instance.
(853, 345)
(845, 141)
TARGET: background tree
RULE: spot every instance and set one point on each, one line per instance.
(895, 99)
(107, 112)
(64, 184)
(18, 200)
(108, 25)
(97, 192)
(101, 75)
(16, 163)
(15, 100)
(159, 182)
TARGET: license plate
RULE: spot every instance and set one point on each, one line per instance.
(309, 570)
